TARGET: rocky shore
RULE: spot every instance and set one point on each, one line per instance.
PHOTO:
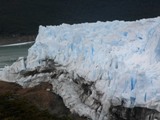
(39, 96)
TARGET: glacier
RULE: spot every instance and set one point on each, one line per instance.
(95, 65)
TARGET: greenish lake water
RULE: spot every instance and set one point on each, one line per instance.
(9, 54)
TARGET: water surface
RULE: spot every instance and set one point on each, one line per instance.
(10, 53)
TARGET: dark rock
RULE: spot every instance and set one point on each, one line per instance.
(136, 113)
(40, 96)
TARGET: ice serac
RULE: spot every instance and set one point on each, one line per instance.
(97, 65)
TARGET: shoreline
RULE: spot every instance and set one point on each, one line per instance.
(17, 44)
(16, 39)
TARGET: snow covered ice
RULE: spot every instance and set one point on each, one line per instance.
(118, 62)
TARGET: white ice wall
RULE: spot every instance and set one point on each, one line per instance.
(122, 55)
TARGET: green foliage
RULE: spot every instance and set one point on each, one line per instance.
(13, 107)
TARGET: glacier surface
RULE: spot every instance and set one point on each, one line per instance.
(118, 62)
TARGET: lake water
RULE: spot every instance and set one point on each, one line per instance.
(10, 53)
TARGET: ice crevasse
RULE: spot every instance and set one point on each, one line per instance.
(118, 60)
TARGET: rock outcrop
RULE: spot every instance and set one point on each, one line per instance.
(40, 96)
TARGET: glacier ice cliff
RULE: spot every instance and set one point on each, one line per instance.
(95, 65)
